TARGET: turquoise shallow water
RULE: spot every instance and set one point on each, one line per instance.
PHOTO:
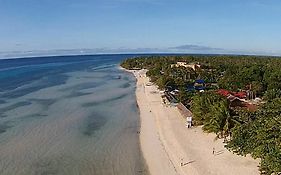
(68, 116)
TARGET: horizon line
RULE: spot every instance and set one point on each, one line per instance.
(130, 53)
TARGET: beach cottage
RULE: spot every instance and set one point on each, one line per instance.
(186, 114)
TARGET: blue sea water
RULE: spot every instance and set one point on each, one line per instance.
(68, 115)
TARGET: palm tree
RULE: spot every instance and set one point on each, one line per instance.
(219, 119)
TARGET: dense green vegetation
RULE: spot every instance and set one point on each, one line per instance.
(212, 111)
(260, 136)
(245, 132)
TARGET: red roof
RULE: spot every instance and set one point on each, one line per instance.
(224, 92)
(240, 94)
(232, 96)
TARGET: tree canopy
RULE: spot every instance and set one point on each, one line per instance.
(246, 132)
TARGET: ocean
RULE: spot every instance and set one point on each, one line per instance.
(68, 115)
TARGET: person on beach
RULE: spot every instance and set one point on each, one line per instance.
(189, 122)
(213, 150)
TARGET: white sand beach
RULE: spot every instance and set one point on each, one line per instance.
(166, 142)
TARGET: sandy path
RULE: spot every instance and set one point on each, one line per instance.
(166, 142)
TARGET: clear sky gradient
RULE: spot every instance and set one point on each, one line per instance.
(100, 26)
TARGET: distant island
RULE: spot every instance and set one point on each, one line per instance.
(236, 97)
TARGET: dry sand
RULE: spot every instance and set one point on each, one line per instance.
(166, 142)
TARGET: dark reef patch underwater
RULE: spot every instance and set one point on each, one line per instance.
(68, 115)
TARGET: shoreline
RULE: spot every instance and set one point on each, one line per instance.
(167, 144)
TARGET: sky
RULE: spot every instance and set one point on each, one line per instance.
(140, 26)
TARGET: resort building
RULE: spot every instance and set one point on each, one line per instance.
(186, 65)
(239, 99)
(227, 93)
(186, 114)
(199, 85)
